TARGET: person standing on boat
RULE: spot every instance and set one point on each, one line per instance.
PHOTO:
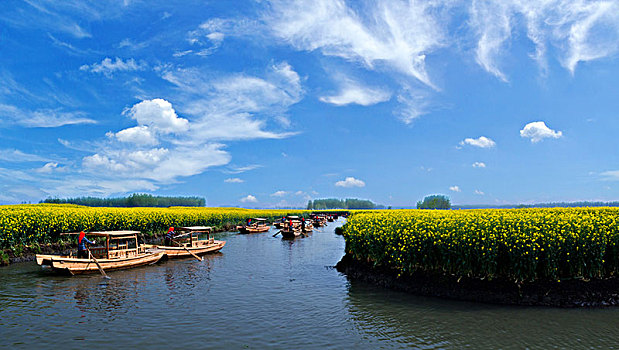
(248, 222)
(82, 252)
(303, 225)
(169, 236)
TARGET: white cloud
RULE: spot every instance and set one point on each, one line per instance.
(155, 118)
(479, 192)
(249, 199)
(140, 135)
(234, 180)
(350, 182)
(159, 115)
(482, 142)
(479, 165)
(279, 193)
(108, 67)
(237, 106)
(537, 131)
(455, 189)
(354, 92)
(157, 164)
(48, 168)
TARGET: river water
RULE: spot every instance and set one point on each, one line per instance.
(264, 292)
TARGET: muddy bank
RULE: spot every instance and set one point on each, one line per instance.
(28, 253)
(571, 293)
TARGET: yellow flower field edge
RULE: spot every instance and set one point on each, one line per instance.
(22, 225)
(514, 244)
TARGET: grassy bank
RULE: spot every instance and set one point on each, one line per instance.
(510, 244)
(31, 225)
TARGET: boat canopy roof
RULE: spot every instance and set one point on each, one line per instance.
(259, 219)
(292, 217)
(196, 228)
(114, 234)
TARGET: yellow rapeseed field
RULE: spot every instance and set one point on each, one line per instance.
(42, 223)
(516, 244)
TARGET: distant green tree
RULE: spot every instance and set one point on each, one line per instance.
(134, 200)
(436, 201)
(334, 203)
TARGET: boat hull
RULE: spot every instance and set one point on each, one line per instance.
(259, 229)
(199, 248)
(75, 266)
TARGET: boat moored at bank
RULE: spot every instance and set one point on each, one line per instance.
(121, 251)
(187, 243)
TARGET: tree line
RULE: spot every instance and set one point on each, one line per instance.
(334, 203)
(134, 200)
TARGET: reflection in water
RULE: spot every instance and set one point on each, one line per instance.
(265, 292)
(112, 298)
(403, 320)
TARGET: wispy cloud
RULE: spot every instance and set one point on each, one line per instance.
(481, 142)
(479, 165)
(108, 66)
(611, 175)
(242, 169)
(350, 182)
(14, 155)
(353, 92)
(579, 30)
(383, 39)
(478, 192)
(537, 131)
(234, 180)
(279, 193)
(455, 189)
(41, 118)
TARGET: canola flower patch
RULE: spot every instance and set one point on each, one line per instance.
(514, 244)
(42, 223)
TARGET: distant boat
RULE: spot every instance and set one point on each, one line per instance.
(187, 244)
(121, 251)
(258, 225)
(293, 227)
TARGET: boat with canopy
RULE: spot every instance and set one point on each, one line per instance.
(121, 250)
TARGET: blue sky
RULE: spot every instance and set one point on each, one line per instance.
(271, 103)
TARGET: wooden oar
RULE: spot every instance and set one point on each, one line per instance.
(276, 233)
(98, 265)
(188, 251)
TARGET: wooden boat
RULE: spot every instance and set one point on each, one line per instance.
(121, 251)
(330, 218)
(186, 243)
(319, 221)
(258, 225)
(296, 229)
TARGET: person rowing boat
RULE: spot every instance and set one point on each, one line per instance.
(82, 250)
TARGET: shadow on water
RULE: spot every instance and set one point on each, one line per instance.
(404, 320)
(265, 292)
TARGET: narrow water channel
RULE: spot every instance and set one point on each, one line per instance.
(264, 292)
